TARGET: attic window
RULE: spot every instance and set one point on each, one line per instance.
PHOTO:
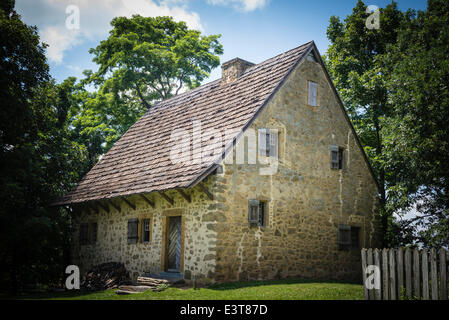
(312, 96)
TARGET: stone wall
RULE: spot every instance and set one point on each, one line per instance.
(306, 199)
(112, 245)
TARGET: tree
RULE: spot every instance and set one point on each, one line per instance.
(418, 144)
(153, 58)
(142, 61)
(354, 63)
(38, 162)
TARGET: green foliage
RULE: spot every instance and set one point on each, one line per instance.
(52, 134)
(153, 58)
(353, 60)
(405, 297)
(393, 82)
(418, 145)
(143, 60)
(38, 161)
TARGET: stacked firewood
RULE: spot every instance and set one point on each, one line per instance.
(144, 284)
(105, 276)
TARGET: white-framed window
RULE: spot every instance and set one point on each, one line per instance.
(312, 94)
(268, 143)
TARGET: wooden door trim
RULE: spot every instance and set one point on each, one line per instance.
(165, 230)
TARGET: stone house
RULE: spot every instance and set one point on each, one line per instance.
(257, 175)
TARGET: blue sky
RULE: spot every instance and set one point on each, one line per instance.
(254, 30)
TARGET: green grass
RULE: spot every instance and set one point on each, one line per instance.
(256, 290)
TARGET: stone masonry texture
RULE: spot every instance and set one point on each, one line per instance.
(305, 199)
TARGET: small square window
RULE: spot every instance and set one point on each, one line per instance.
(348, 237)
(336, 158)
(256, 214)
(146, 231)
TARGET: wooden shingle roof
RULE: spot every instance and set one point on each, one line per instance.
(140, 161)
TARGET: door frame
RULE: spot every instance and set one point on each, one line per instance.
(165, 231)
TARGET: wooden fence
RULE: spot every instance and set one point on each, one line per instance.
(405, 274)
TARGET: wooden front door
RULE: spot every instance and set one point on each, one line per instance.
(174, 244)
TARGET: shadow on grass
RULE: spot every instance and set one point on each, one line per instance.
(239, 285)
(48, 295)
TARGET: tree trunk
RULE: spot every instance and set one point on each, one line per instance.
(383, 198)
(141, 98)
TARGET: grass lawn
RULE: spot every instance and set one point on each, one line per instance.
(256, 290)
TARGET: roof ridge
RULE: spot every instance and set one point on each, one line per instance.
(139, 162)
(255, 65)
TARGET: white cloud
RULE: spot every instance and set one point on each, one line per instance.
(95, 16)
(243, 5)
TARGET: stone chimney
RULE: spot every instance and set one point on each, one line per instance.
(233, 69)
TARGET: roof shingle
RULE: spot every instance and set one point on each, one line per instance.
(140, 161)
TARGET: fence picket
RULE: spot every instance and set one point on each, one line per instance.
(365, 289)
(377, 292)
(416, 271)
(425, 276)
(385, 274)
(408, 273)
(369, 260)
(433, 274)
(400, 264)
(443, 275)
(392, 262)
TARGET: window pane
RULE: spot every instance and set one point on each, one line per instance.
(267, 143)
(132, 230)
(340, 159)
(146, 231)
(253, 216)
(262, 142)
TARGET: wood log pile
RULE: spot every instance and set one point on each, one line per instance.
(105, 276)
(147, 283)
